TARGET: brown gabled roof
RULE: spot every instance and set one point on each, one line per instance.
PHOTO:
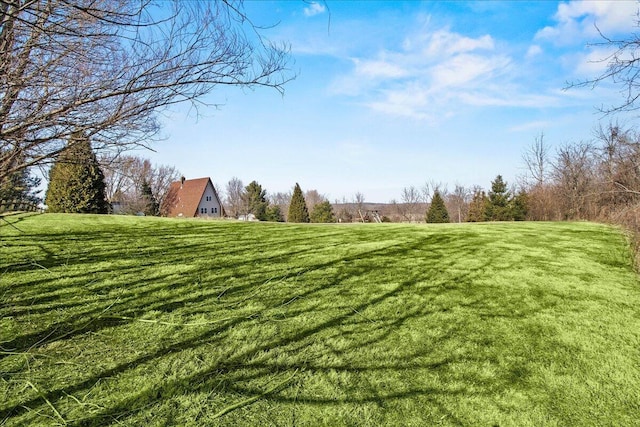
(184, 196)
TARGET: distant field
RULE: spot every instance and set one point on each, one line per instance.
(108, 320)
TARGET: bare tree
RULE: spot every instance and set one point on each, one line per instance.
(574, 177)
(536, 159)
(107, 68)
(426, 192)
(312, 198)
(235, 205)
(117, 175)
(540, 195)
(397, 210)
(623, 69)
(618, 153)
(282, 201)
(124, 176)
(429, 188)
(410, 198)
(457, 203)
(345, 213)
(161, 179)
(594, 180)
(358, 200)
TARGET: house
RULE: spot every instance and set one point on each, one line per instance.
(247, 217)
(190, 198)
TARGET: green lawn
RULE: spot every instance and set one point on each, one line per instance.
(146, 321)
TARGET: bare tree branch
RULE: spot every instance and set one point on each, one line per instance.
(108, 67)
(536, 159)
(623, 69)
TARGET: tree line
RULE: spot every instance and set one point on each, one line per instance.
(598, 179)
(54, 113)
(81, 182)
(295, 206)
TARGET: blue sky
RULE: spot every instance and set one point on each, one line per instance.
(394, 94)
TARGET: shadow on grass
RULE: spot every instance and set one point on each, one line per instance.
(387, 288)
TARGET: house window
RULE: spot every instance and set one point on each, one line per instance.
(215, 210)
(205, 210)
(201, 210)
(208, 198)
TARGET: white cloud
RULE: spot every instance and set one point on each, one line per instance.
(576, 37)
(432, 75)
(412, 101)
(378, 68)
(581, 24)
(464, 69)
(579, 21)
(314, 8)
(533, 51)
(591, 63)
(444, 42)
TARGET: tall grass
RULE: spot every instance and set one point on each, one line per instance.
(146, 321)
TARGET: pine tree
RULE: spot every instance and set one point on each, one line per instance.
(298, 211)
(255, 198)
(18, 190)
(437, 212)
(151, 205)
(518, 206)
(478, 207)
(323, 212)
(76, 183)
(498, 208)
(274, 214)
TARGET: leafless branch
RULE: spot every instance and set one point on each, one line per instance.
(623, 70)
(107, 68)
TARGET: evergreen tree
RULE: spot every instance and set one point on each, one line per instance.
(437, 212)
(19, 188)
(274, 214)
(298, 211)
(498, 208)
(255, 198)
(478, 207)
(151, 205)
(76, 183)
(518, 206)
(323, 212)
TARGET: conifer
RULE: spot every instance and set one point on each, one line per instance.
(151, 205)
(76, 182)
(255, 198)
(498, 208)
(478, 207)
(274, 214)
(437, 212)
(298, 211)
(19, 189)
(323, 212)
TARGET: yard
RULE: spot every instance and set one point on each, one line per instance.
(113, 320)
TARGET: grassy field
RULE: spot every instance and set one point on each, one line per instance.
(109, 320)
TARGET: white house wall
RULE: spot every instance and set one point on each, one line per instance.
(209, 204)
